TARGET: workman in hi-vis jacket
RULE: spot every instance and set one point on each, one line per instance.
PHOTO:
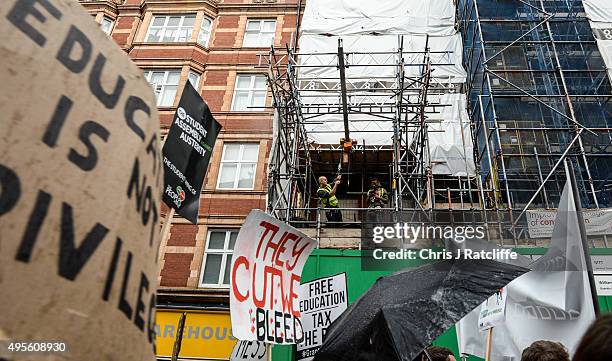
(327, 196)
(377, 195)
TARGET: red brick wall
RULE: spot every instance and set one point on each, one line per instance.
(125, 23)
(165, 119)
(221, 206)
(218, 64)
(183, 235)
(121, 39)
(123, 29)
(228, 22)
(176, 271)
(216, 77)
(187, 52)
(225, 39)
(244, 125)
(214, 99)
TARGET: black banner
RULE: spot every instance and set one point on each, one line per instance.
(186, 153)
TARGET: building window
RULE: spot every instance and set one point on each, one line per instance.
(170, 28)
(204, 34)
(259, 33)
(107, 25)
(238, 164)
(194, 78)
(250, 91)
(164, 83)
(218, 258)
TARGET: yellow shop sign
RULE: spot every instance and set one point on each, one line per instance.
(207, 334)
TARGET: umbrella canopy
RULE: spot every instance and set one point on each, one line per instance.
(404, 312)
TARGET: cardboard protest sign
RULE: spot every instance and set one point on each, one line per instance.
(249, 351)
(187, 152)
(321, 302)
(80, 187)
(267, 264)
(493, 310)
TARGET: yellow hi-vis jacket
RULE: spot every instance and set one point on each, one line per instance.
(324, 194)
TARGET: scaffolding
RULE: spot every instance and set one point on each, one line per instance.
(404, 101)
(537, 93)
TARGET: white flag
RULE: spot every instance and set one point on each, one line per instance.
(552, 302)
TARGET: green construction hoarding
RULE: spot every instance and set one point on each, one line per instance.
(328, 262)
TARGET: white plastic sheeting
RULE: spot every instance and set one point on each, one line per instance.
(605, 47)
(350, 17)
(371, 32)
(599, 13)
(324, 66)
(449, 134)
(450, 139)
(445, 54)
(329, 128)
(598, 10)
(443, 50)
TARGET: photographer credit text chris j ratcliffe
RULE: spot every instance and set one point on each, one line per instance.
(411, 234)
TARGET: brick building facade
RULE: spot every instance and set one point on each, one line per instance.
(214, 44)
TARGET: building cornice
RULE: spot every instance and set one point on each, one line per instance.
(263, 6)
(211, 5)
(107, 6)
(110, 3)
(169, 298)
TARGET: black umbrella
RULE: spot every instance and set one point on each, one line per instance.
(403, 313)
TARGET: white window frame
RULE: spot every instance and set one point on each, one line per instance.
(251, 90)
(239, 164)
(225, 253)
(165, 27)
(196, 76)
(201, 40)
(162, 87)
(108, 21)
(258, 43)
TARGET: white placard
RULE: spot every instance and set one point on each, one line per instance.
(602, 264)
(493, 310)
(603, 284)
(249, 351)
(267, 264)
(321, 302)
(541, 222)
